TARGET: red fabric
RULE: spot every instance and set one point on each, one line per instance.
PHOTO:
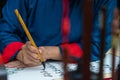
(1, 60)
(73, 50)
(65, 28)
(65, 21)
(10, 50)
(65, 8)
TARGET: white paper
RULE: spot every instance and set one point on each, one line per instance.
(53, 71)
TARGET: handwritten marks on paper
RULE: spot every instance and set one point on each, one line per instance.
(53, 70)
(11, 71)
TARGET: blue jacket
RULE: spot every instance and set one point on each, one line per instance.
(43, 19)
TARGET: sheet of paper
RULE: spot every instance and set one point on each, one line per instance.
(53, 71)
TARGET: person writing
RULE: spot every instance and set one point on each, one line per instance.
(48, 21)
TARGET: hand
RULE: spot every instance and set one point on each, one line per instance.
(28, 55)
(50, 52)
(15, 64)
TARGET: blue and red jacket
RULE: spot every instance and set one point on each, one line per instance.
(44, 20)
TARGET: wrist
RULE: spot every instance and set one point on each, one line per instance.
(14, 56)
(19, 55)
(55, 54)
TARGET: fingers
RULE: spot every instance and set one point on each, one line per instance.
(44, 52)
(15, 64)
(31, 48)
(27, 59)
(30, 61)
(29, 55)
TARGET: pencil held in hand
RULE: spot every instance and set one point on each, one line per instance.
(28, 34)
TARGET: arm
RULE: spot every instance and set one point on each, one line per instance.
(110, 6)
(74, 50)
(10, 41)
(56, 52)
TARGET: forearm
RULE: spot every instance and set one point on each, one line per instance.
(51, 52)
(55, 54)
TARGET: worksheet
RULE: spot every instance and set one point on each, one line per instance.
(53, 71)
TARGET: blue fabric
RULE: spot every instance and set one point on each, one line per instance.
(43, 18)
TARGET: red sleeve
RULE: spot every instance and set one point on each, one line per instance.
(73, 50)
(1, 62)
(10, 50)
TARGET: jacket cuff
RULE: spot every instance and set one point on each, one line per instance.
(11, 50)
(74, 50)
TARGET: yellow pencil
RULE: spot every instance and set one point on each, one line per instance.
(28, 34)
